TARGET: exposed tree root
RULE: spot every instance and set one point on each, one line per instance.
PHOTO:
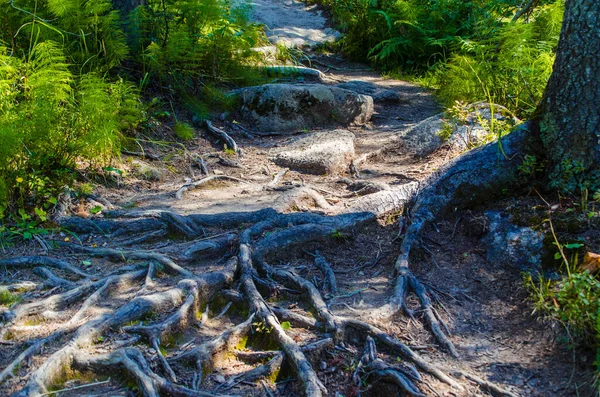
(325, 268)
(52, 279)
(259, 235)
(134, 362)
(23, 286)
(33, 261)
(210, 246)
(222, 135)
(202, 355)
(370, 366)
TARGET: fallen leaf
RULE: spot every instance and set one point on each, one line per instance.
(591, 262)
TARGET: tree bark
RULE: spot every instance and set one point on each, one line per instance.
(567, 120)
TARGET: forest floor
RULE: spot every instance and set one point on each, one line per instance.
(484, 305)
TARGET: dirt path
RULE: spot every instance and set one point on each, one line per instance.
(481, 303)
(292, 23)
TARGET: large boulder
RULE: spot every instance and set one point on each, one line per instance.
(286, 108)
(319, 153)
(379, 94)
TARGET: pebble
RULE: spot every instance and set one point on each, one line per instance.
(219, 378)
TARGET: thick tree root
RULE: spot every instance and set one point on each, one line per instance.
(33, 261)
(259, 235)
(133, 361)
(202, 355)
(52, 279)
(210, 246)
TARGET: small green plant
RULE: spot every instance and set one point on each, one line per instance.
(531, 165)
(262, 328)
(338, 235)
(446, 132)
(228, 151)
(286, 325)
(7, 298)
(184, 131)
(24, 226)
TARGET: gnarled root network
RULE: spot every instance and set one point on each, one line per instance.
(110, 307)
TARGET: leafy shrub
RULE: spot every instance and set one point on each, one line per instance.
(573, 299)
(51, 119)
(191, 41)
(64, 101)
(511, 69)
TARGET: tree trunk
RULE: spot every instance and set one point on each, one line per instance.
(567, 120)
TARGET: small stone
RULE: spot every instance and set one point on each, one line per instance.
(361, 273)
(218, 172)
(322, 365)
(511, 245)
(219, 378)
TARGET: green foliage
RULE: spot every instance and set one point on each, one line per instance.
(184, 131)
(530, 165)
(181, 43)
(286, 325)
(64, 100)
(7, 298)
(511, 68)
(574, 300)
(469, 50)
(572, 178)
(51, 119)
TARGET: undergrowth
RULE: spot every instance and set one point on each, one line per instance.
(574, 301)
(572, 295)
(73, 75)
(468, 50)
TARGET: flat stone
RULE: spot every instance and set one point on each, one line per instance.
(379, 94)
(285, 108)
(319, 153)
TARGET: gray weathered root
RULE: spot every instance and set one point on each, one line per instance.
(223, 136)
(263, 234)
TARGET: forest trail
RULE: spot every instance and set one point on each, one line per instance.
(292, 23)
(167, 241)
